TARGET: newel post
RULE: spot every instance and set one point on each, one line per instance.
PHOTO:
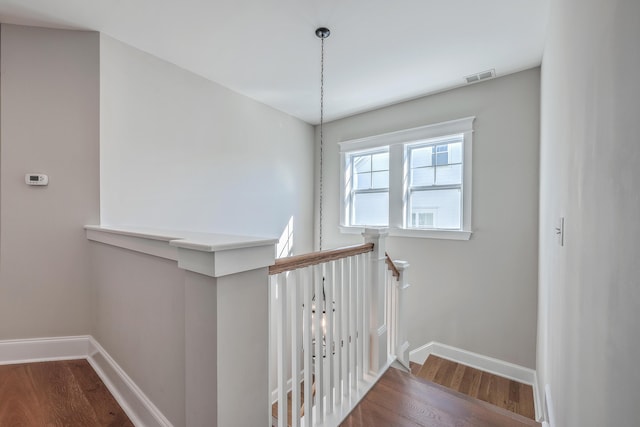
(226, 331)
(376, 298)
(402, 343)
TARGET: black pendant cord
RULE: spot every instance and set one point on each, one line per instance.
(322, 33)
(321, 136)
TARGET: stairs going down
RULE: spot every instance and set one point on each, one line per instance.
(502, 392)
(401, 399)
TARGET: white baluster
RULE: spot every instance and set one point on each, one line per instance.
(339, 337)
(353, 326)
(307, 343)
(389, 312)
(282, 353)
(328, 285)
(360, 323)
(318, 329)
(346, 285)
(296, 347)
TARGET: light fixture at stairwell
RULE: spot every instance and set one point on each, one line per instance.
(322, 33)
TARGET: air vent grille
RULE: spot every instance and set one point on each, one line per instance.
(481, 76)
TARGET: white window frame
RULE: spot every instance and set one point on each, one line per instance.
(398, 170)
(350, 192)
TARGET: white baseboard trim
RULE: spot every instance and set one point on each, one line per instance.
(43, 350)
(550, 409)
(137, 406)
(538, 400)
(484, 363)
(475, 360)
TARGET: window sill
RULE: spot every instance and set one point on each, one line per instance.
(424, 234)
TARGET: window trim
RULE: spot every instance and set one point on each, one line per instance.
(349, 191)
(398, 169)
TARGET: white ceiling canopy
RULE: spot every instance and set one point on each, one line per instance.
(379, 52)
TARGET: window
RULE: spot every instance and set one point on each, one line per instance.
(369, 188)
(435, 183)
(415, 181)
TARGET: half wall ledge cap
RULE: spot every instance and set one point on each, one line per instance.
(210, 254)
(205, 242)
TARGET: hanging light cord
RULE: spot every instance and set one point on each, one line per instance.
(322, 33)
(321, 135)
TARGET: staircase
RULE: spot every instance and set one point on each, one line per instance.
(402, 399)
(338, 318)
(502, 392)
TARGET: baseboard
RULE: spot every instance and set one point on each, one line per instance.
(475, 360)
(43, 350)
(484, 363)
(538, 400)
(137, 406)
(550, 408)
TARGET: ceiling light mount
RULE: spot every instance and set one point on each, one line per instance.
(322, 32)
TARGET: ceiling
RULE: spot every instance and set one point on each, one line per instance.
(380, 51)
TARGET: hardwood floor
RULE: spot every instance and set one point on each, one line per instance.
(499, 391)
(57, 394)
(403, 400)
(274, 407)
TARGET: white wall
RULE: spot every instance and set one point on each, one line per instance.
(588, 342)
(181, 152)
(479, 295)
(49, 124)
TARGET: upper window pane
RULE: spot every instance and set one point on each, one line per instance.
(380, 161)
(441, 155)
(455, 151)
(362, 163)
(421, 157)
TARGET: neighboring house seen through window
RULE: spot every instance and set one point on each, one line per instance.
(417, 181)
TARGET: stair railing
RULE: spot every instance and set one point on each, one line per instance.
(337, 318)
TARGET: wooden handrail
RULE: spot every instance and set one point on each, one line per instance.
(391, 266)
(300, 261)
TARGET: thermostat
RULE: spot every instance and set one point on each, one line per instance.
(36, 179)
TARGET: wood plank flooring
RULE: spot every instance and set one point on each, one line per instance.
(499, 391)
(274, 407)
(57, 394)
(403, 400)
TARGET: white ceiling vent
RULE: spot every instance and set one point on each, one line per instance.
(481, 76)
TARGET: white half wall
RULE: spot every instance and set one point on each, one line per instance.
(49, 124)
(181, 152)
(589, 313)
(140, 322)
(480, 294)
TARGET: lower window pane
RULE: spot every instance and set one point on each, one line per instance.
(371, 208)
(435, 209)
